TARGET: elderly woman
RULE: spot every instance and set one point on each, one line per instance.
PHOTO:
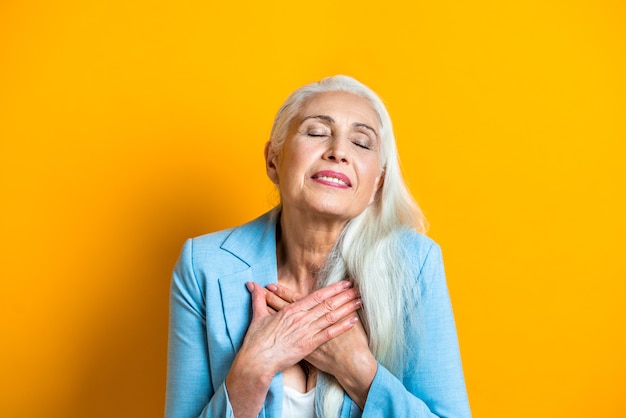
(330, 305)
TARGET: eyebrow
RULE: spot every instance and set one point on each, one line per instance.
(328, 119)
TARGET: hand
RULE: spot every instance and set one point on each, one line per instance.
(298, 329)
(347, 357)
(276, 341)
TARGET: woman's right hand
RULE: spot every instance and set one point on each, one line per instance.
(348, 357)
(275, 341)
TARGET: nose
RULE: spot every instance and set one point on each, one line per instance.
(336, 151)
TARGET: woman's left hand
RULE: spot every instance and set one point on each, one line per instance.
(347, 357)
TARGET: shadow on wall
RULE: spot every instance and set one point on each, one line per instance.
(123, 352)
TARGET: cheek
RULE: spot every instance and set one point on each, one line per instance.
(298, 160)
(371, 177)
(291, 173)
(371, 171)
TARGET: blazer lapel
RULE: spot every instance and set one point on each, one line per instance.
(254, 244)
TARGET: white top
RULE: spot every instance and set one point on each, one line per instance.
(298, 405)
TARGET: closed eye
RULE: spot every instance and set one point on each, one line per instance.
(361, 145)
(315, 135)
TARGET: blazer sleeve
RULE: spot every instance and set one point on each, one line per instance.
(190, 392)
(433, 384)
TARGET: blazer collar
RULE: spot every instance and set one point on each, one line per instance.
(254, 242)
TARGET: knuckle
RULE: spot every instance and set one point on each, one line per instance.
(331, 317)
(328, 335)
(289, 309)
(317, 298)
(329, 304)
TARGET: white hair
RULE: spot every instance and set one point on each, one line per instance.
(369, 250)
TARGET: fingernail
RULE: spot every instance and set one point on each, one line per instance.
(250, 286)
(358, 302)
(354, 319)
(347, 284)
(272, 287)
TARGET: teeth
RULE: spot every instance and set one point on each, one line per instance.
(333, 180)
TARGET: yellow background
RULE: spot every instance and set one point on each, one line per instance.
(126, 127)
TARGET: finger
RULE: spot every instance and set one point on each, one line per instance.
(259, 306)
(328, 317)
(284, 293)
(335, 330)
(275, 302)
(338, 306)
(321, 295)
(279, 296)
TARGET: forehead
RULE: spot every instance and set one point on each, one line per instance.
(342, 107)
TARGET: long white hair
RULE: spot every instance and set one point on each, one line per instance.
(369, 250)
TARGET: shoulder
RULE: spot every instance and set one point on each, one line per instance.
(209, 243)
(422, 256)
(418, 245)
(231, 249)
(235, 236)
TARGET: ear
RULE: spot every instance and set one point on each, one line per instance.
(380, 180)
(271, 163)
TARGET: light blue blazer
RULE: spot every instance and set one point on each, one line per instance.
(210, 309)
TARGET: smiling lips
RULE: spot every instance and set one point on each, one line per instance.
(332, 178)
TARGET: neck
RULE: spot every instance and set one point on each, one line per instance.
(302, 247)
